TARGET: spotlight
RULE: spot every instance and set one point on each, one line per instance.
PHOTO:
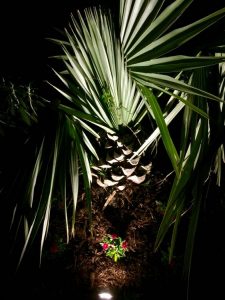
(105, 295)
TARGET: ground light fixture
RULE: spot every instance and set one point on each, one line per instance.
(104, 295)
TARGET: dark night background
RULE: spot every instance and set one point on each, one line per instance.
(24, 27)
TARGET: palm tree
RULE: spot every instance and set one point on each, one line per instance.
(115, 74)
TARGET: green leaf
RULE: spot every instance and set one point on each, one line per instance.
(167, 140)
(166, 81)
(177, 194)
(175, 64)
(174, 39)
(153, 24)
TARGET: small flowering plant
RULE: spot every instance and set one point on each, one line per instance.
(114, 246)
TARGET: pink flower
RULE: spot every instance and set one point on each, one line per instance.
(105, 246)
(124, 245)
(114, 236)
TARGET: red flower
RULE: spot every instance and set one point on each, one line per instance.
(172, 264)
(54, 248)
(105, 246)
(114, 236)
(124, 245)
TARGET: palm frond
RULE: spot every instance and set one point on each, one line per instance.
(153, 23)
(175, 64)
(168, 143)
(96, 64)
(174, 39)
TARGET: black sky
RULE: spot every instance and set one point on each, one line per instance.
(24, 27)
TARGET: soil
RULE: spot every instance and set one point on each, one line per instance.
(80, 268)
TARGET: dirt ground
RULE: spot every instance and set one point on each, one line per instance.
(81, 269)
(134, 214)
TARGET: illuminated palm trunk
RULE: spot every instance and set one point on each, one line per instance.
(118, 169)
